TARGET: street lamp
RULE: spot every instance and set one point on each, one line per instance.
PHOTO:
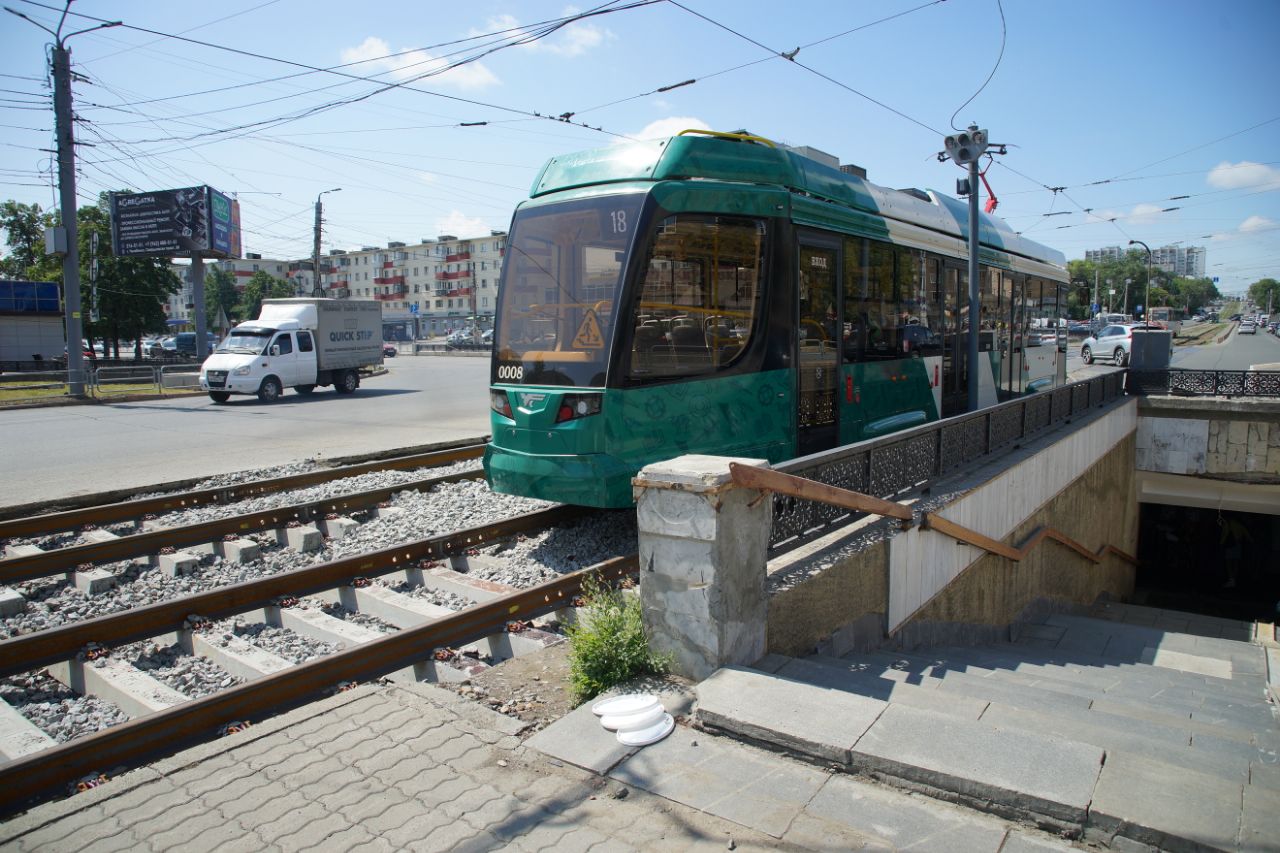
(1146, 311)
(317, 290)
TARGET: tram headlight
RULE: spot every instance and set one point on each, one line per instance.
(501, 403)
(574, 406)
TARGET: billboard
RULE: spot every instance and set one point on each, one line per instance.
(189, 221)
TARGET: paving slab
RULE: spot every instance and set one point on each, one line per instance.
(724, 778)
(1172, 808)
(578, 739)
(902, 821)
(1019, 772)
(1260, 822)
(813, 721)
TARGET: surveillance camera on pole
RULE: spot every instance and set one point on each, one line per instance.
(965, 148)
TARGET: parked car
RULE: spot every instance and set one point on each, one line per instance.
(389, 350)
(162, 347)
(1114, 342)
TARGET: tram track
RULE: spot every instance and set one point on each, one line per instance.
(364, 603)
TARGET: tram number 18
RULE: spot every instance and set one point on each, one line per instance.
(511, 372)
(619, 218)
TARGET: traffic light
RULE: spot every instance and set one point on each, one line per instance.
(966, 146)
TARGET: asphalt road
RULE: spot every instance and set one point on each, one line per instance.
(49, 453)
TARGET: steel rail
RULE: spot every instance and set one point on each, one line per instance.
(32, 651)
(40, 525)
(164, 732)
(16, 569)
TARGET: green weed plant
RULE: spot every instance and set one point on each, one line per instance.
(608, 644)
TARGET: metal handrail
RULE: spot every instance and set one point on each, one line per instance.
(106, 377)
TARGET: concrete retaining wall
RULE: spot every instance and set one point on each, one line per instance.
(706, 587)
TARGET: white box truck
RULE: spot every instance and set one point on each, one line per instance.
(299, 344)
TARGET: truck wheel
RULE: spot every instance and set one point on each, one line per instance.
(219, 396)
(305, 389)
(270, 390)
(347, 382)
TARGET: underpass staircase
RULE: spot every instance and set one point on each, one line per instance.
(1124, 726)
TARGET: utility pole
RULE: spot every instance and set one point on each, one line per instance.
(965, 149)
(317, 289)
(64, 130)
(63, 122)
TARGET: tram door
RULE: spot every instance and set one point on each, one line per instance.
(817, 349)
(955, 344)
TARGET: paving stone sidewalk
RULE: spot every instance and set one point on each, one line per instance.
(413, 767)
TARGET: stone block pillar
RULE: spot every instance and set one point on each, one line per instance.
(703, 551)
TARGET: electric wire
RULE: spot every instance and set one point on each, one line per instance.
(1004, 34)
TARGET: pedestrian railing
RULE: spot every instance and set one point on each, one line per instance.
(118, 381)
(1178, 382)
(905, 461)
(180, 376)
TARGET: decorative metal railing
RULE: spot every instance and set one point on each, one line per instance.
(1205, 383)
(890, 466)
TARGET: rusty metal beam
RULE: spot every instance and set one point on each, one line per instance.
(40, 525)
(16, 569)
(749, 476)
(933, 521)
(32, 651)
(164, 732)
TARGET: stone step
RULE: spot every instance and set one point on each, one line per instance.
(1007, 771)
(1178, 745)
(1137, 680)
(1121, 640)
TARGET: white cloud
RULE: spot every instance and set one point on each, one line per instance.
(1256, 223)
(569, 41)
(665, 127)
(459, 224)
(374, 56)
(1144, 214)
(1243, 175)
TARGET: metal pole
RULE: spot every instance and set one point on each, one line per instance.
(197, 298)
(316, 289)
(974, 307)
(67, 200)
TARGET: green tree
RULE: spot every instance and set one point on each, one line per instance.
(1194, 293)
(1265, 293)
(131, 291)
(23, 226)
(262, 286)
(220, 295)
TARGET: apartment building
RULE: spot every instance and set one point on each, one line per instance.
(426, 288)
(1178, 261)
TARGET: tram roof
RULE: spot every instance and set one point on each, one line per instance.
(748, 159)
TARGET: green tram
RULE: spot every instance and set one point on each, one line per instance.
(716, 293)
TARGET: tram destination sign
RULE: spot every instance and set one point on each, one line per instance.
(190, 221)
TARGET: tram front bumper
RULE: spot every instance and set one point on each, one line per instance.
(592, 479)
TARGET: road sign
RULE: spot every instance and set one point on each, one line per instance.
(413, 309)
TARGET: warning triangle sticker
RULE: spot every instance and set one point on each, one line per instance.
(589, 335)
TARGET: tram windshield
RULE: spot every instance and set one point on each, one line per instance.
(560, 284)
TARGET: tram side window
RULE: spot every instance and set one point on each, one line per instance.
(1042, 310)
(697, 304)
(889, 311)
(989, 306)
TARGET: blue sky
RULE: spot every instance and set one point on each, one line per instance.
(1126, 104)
